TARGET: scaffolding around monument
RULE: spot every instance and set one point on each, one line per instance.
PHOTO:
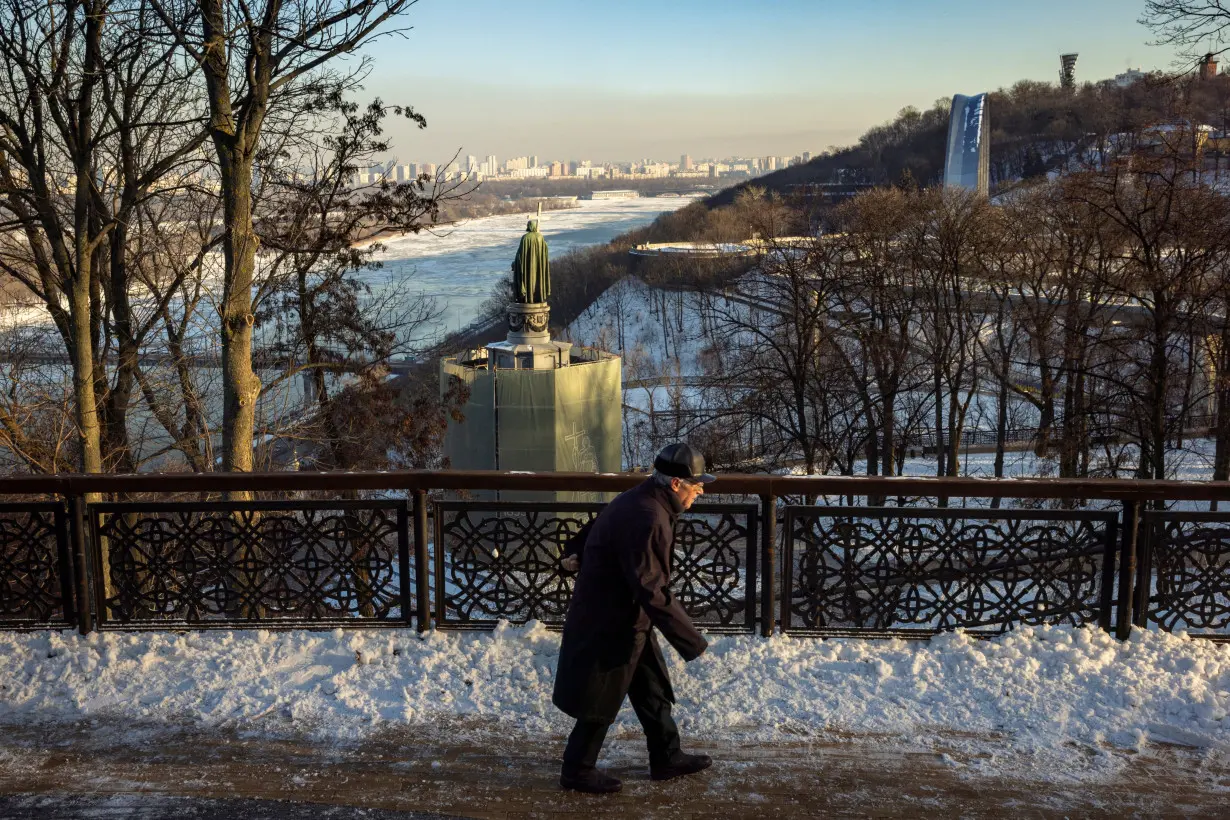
(532, 404)
(562, 417)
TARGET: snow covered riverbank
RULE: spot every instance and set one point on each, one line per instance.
(1057, 703)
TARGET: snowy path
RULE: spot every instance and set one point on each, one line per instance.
(1050, 704)
(111, 769)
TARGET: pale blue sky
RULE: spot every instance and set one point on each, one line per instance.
(625, 79)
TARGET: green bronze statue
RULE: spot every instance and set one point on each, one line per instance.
(531, 268)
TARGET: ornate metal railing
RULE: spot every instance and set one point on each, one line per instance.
(248, 563)
(880, 570)
(1059, 551)
(35, 571)
(1183, 577)
(502, 561)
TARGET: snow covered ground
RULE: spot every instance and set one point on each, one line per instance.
(1057, 704)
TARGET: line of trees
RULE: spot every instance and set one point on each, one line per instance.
(174, 186)
(1098, 302)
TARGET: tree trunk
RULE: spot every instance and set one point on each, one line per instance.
(940, 451)
(240, 386)
(88, 431)
(887, 429)
(1046, 409)
(1157, 409)
(1001, 421)
(235, 138)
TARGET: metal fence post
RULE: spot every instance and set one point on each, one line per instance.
(76, 529)
(1144, 571)
(405, 561)
(753, 568)
(768, 515)
(1127, 568)
(1106, 597)
(421, 572)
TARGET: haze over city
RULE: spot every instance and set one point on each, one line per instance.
(617, 81)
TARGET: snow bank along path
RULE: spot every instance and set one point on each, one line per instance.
(1054, 701)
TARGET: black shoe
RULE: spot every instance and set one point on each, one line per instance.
(678, 765)
(591, 781)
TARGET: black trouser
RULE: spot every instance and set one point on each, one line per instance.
(647, 692)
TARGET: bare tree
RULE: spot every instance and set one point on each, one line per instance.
(257, 60)
(880, 303)
(948, 242)
(1188, 25)
(318, 234)
(780, 367)
(1173, 236)
(92, 121)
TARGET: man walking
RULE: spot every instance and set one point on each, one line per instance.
(609, 648)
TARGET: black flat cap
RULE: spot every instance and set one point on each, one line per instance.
(682, 460)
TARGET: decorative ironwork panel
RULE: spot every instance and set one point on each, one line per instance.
(713, 572)
(502, 561)
(1184, 571)
(860, 570)
(35, 577)
(225, 564)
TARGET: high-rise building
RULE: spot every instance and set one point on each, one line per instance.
(685, 163)
(471, 163)
(1067, 70)
(534, 161)
(493, 165)
(806, 157)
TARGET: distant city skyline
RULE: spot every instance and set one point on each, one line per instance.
(476, 167)
(616, 80)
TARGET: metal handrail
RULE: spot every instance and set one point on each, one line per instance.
(1119, 489)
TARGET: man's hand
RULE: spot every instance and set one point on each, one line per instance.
(571, 563)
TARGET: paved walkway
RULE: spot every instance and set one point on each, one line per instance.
(111, 771)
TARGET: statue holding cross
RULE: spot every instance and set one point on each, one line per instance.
(532, 268)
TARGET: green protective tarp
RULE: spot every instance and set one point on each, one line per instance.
(588, 422)
(525, 419)
(470, 443)
(540, 421)
(587, 418)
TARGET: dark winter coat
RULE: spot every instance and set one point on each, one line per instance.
(622, 592)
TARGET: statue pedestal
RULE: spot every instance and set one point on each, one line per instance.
(527, 323)
(529, 345)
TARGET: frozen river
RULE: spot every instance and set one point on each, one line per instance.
(459, 265)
